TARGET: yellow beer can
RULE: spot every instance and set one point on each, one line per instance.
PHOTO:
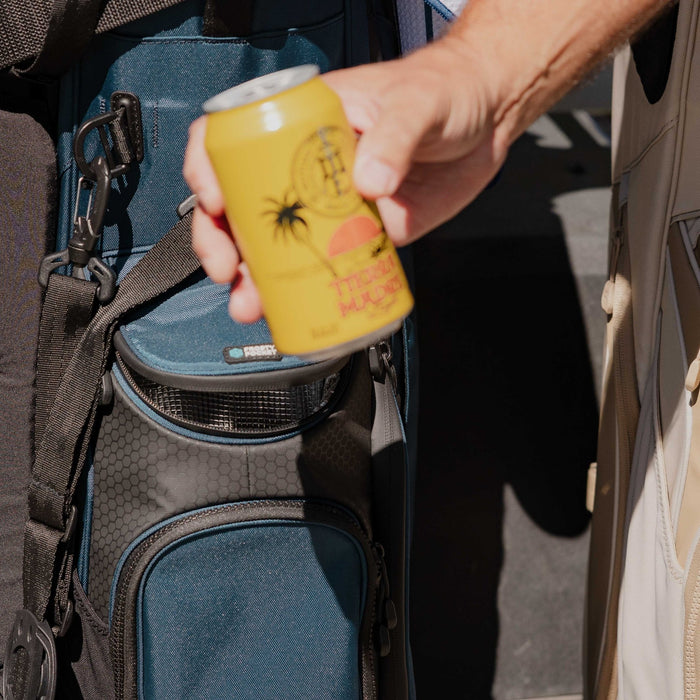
(329, 277)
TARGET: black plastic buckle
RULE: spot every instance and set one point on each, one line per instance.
(104, 275)
(52, 262)
(38, 662)
(87, 230)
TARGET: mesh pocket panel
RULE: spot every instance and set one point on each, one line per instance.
(249, 412)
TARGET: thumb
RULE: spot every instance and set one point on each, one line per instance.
(385, 151)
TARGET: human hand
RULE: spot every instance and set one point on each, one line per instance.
(427, 147)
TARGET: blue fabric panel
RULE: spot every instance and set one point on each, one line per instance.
(182, 72)
(165, 523)
(172, 71)
(289, 599)
(187, 333)
(83, 565)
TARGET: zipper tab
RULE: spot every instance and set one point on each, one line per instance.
(381, 363)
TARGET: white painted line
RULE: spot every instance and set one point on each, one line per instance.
(596, 133)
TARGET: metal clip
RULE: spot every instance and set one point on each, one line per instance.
(88, 228)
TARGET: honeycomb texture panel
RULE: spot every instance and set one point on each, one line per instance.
(144, 473)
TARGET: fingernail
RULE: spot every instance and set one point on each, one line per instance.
(375, 178)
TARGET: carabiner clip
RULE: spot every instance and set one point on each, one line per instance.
(88, 228)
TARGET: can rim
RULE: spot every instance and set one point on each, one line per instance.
(261, 88)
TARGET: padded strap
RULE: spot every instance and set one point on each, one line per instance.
(44, 37)
(70, 29)
(62, 451)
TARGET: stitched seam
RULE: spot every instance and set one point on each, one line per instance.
(660, 134)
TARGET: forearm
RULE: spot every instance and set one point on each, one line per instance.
(534, 51)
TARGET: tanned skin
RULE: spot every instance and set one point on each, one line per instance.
(436, 126)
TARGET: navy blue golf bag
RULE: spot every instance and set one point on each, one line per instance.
(207, 518)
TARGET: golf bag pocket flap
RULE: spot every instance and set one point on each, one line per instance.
(190, 333)
(283, 576)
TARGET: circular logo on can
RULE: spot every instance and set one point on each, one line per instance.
(322, 173)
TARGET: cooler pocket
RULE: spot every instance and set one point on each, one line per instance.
(294, 586)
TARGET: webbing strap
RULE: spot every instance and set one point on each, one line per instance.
(70, 28)
(63, 447)
(66, 311)
(46, 36)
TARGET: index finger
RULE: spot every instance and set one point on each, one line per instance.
(198, 171)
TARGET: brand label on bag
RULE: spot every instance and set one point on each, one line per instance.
(236, 354)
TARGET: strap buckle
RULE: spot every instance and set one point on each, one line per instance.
(37, 666)
(103, 273)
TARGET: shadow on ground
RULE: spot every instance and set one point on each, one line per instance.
(507, 401)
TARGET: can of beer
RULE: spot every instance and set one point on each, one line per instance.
(329, 277)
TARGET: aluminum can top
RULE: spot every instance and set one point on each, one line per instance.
(261, 88)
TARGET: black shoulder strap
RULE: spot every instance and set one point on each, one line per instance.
(44, 37)
(62, 449)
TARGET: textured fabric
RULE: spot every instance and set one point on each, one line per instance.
(71, 26)
(421, 21)
(162, 474)
(62, 325)
(289, 601)
(27, 179)
(639, 650)
(88, 644)
(24, 25)
(162, 337)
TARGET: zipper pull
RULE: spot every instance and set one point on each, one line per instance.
(381, 363)
(388, 617)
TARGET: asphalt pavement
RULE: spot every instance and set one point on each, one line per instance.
(510, 334)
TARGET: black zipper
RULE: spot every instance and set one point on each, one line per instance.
(377, 615)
